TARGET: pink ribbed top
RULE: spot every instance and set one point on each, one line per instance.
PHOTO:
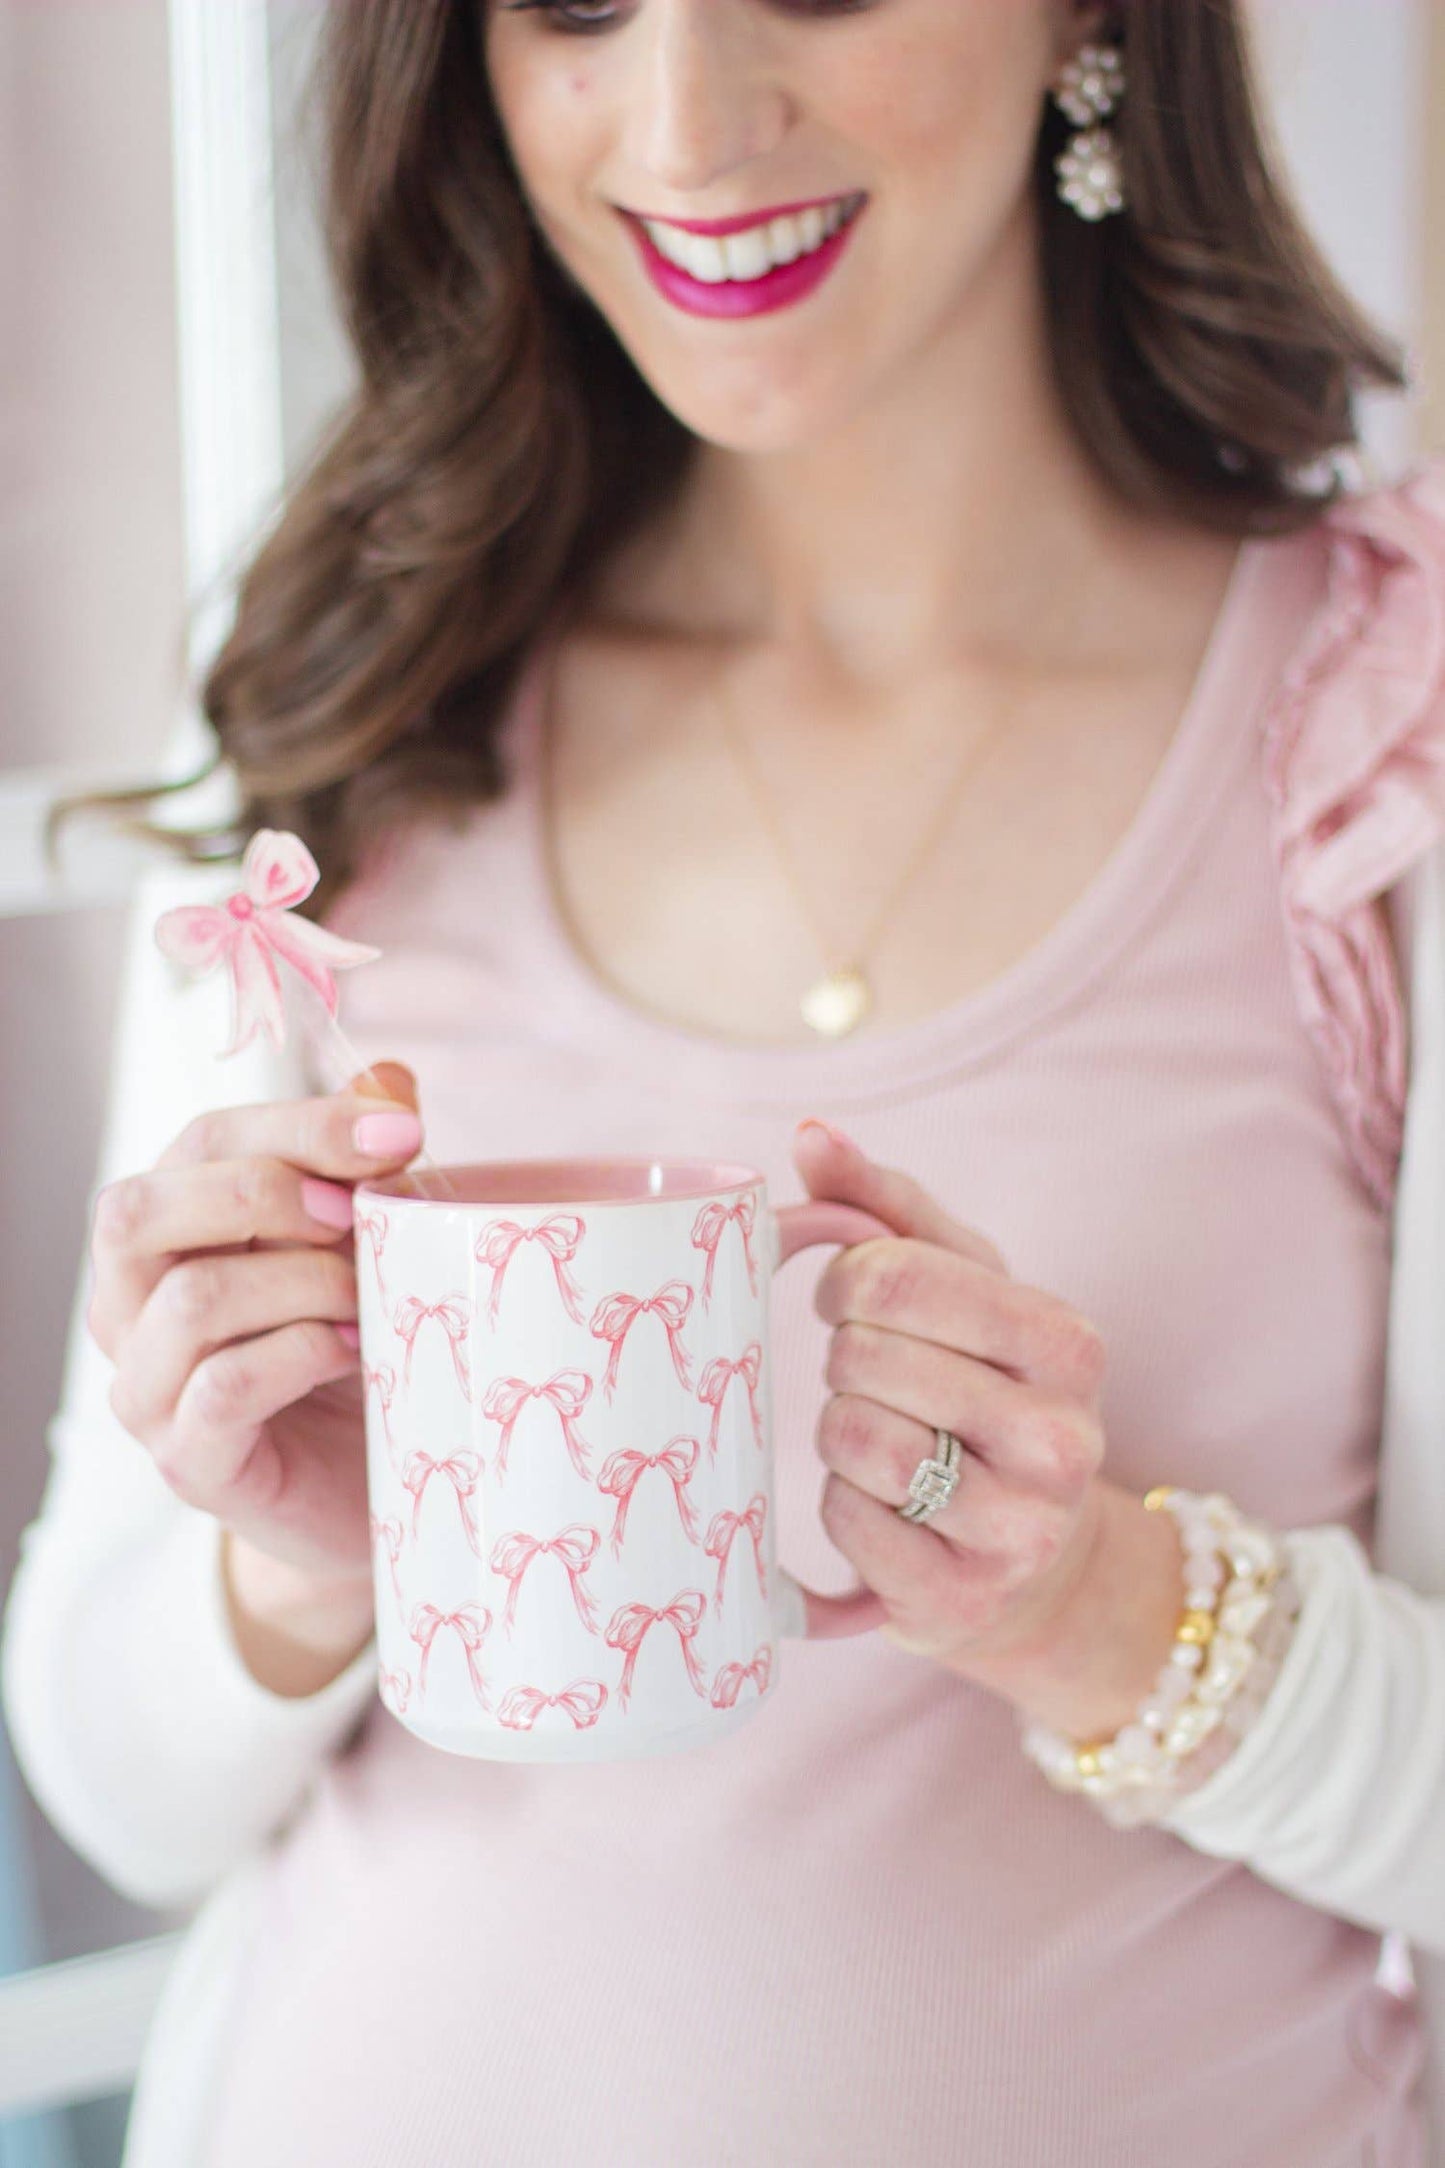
(863, 1928)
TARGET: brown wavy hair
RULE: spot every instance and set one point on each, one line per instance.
(500, 442)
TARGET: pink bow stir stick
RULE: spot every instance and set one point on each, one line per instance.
(254, 931)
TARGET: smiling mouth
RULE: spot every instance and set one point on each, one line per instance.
(753, 250)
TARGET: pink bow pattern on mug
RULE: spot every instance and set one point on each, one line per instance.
(470, 1623)
(583, 1702)
(732, 1678)
(708, 1229)
(387, 1535)
(560, 1236)
(714, 1383)
(622, 1471)
(395, 1690)
(371, 1226)
(568, 1392)
(381, 1382)
(630, 1624)
(252, 930)
(575, 1546)
(723, 1529)
(452, 1313)
(615, 1316)
(461, 1470)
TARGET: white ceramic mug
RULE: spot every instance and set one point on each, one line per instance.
(570, 1452)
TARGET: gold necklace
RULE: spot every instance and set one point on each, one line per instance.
(838, 1001)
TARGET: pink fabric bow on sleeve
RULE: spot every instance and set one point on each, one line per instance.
(1354, 756)
(253, 928)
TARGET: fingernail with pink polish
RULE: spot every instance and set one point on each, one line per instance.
(387, 1136)
(326, 1201)
(351, 1334)
(835, 1136)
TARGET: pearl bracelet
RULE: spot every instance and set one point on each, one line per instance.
(1136, 1774)
(1146, 1803)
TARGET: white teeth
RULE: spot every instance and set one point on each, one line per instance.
(784, 239)
(750, 253)
(702, 255)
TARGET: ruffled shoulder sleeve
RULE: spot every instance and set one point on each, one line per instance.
(1354, 757)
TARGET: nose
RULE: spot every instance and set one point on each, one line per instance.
(705, 100)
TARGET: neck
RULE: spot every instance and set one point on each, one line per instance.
(955, 513)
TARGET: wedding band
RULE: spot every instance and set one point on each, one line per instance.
(935, 1479)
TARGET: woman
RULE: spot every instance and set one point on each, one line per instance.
(909, 664)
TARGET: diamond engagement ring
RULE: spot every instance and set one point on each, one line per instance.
(935, 1479)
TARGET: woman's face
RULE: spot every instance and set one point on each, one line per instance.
(913, 120)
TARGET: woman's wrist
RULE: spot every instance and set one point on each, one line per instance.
(1239, 1606)
(1096, 1659)
(293, 1635)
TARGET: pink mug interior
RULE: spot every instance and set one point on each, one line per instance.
(565, 1181)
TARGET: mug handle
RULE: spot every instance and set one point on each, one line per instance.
(801, 1611)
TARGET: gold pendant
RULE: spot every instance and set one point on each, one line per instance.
(837, 1001)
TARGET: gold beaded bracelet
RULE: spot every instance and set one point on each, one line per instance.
(1211, 1654)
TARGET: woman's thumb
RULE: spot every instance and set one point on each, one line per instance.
(390, 1080)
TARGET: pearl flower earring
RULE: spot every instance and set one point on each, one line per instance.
(1087, 88)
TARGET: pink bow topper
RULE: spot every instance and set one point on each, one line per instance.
(252, 928)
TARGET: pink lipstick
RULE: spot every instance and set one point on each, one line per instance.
(776, 288)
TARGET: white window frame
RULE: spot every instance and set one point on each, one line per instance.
(74, 2030)
(232, 461)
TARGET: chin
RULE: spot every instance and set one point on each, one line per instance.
(765, 413)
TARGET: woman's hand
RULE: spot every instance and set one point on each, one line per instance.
(1039, 1578)
(225, 1302)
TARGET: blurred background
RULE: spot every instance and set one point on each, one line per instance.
(166, 353)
